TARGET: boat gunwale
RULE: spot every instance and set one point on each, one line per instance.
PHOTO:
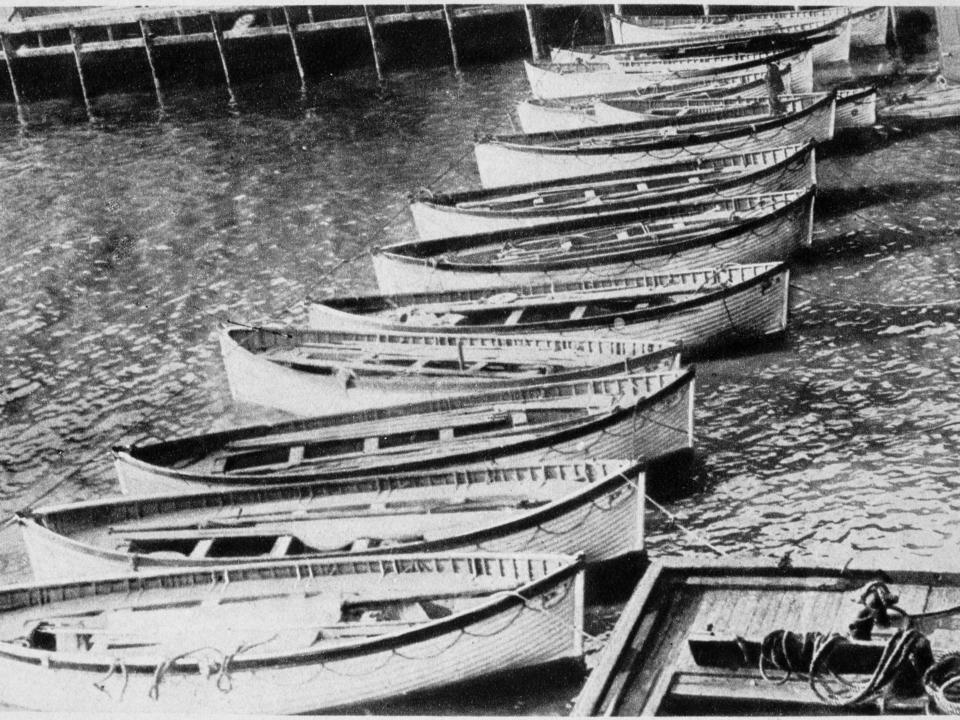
(794, 151)
(774, 269)
(644, 145)
(590, 425)
(705, 238)
(743, 61)
(765, 59)
(626, 474)
(389, 641)
(701, 36)
(576, 368)
(693, 93)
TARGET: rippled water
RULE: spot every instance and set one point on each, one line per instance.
(125, 244)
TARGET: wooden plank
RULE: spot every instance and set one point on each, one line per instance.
(448, 19)
(535, 50)
(372, 31)
(96, 17)
(605, 19)
(281, 546)
(604, 685)
(202, 548)
(661, 661)
(734, 653)
(148, 48)
(702, 688)
(292, 32)
(75, 42)
(8, 56)
(218, 38)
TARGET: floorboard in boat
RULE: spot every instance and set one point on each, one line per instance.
(668, 642)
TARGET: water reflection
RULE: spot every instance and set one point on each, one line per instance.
(126, 243)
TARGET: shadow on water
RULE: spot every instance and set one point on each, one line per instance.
(834, 202)
(855, 245)
(504, 693)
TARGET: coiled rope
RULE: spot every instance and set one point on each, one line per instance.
(809, 654)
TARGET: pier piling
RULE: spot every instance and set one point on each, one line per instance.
(448, 17)
(292, 32)
(218, 38)
(148, 48)
(75, 41)
(607, 28)
(535, 50)
(8, 58)
(373, 41)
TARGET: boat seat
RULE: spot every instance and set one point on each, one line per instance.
(514, 317)
(202, 548)
(282, 546)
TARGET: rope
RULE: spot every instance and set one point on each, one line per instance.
(101, 684)
(686, 531)
(528, 606)
(224, 674)
(898, 655)
(154, 692)
(673, 518)
(939, 682)
(809, 654)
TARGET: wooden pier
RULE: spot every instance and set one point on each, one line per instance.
(111, 34)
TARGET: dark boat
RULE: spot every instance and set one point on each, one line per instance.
(755, 637)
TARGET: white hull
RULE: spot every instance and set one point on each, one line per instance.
(769, 242)
(750, 312)
(628, 33)
(856, 112)
(235, 674)
(835, 50)
(255, 379)
(442, 221)
(538, 118)
(870, 29)
(500, 164)
(607, 113)
(602, 527)
(549, 84)
(924, 106)
(663, 427)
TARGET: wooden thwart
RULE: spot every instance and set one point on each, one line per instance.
(848, 657)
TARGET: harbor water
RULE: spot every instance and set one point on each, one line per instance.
(126, 243)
